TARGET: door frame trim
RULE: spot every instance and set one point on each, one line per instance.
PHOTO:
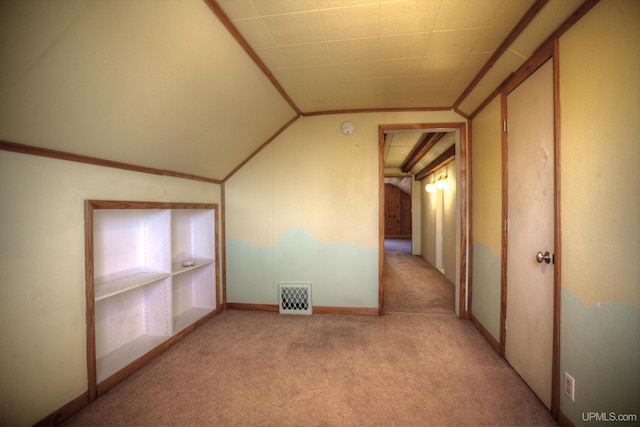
(548, 51)
(462, 188)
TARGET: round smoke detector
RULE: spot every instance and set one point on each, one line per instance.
(347, 128)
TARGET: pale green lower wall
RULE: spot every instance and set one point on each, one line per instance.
(487, 290)
(42, 286)
(601, 350)
(340, 274)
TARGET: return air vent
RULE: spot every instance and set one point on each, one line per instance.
(295, 298)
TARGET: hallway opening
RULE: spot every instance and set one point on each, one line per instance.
(412, 284)
(439, 154)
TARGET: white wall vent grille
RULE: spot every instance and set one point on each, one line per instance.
(295, 298)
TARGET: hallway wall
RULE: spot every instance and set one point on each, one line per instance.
(486, 179)
(448, 198)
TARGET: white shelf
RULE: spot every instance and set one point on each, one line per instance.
(178, 268)
(118, 286)
(111, 363)
(188, 317)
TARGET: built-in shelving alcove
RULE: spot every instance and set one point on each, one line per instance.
(151, 278)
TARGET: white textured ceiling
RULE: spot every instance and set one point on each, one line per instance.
(396, 147)
(337, 55)
(366, 54)
(165, 84)
(346, 54)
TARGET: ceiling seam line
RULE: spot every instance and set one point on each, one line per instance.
(235, 33)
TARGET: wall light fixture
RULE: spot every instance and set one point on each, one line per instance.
(440, 182)
(430, 187)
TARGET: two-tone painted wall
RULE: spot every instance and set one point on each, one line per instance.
(486, 225)
(600, 164)
(305, 210)
(43, 362)
(600, 206)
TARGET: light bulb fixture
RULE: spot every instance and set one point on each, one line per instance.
(430, 187)
(440, 182)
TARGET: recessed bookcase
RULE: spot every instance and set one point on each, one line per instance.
(151, 278)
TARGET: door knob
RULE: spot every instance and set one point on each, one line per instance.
(546, 257)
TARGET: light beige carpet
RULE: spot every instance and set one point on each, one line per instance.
(413, 285)
(246, 368)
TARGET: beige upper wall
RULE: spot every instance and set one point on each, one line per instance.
(315, 178)
(311, 177)
(42, 271)
(487, 177)
(600, 154)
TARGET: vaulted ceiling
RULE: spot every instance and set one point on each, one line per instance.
(172, 84)
(345, 54)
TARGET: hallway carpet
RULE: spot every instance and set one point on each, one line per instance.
(413, 285)
(245, 368)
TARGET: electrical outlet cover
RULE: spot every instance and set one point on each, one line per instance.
(569, 386)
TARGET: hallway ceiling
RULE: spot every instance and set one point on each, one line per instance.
(400, 146)
(416, 153)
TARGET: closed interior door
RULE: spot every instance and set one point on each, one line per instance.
(397, 212)
(530, 181)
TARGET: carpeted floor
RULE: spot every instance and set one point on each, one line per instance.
(413, 285)
(247, 368)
